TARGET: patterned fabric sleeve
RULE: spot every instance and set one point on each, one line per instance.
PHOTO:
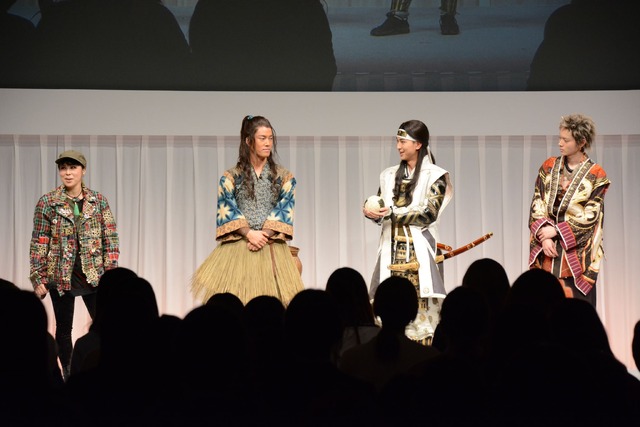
(228, 215)
(427, 211)
(538, 208)
(39, 246)
(579, 228)
(538, 213)
(110, 240)
(280, 219)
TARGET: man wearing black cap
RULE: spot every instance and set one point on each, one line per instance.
(74, 241)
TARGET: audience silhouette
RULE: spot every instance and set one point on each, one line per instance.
(526, 357)
(524, 320)
(635, 345)
(26, 375)
(283, 45)
(264, 324)
(488, 277)
(316, 392)
(279, 45)
(350, 292)
(109, 44)
(228, 301)
(17, 41)
(577, 329)
(390, 353)
(126, 357)
(589, 45)
(549, 376)
(86, 351)
(453, 382)
(213, 377)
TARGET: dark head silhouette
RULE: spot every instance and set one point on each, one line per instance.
(396, 303)
(488, 277)
(463, 319)
(537, 289)
(349, 290)
(313, 326)
(227, 301)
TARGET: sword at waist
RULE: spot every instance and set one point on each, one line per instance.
(464, 248)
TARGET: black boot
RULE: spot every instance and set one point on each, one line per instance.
(391, 26)
(449, 25)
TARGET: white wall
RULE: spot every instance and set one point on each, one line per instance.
(67, 112)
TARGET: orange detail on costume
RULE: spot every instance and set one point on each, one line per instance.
(598, 171)
(548, 164)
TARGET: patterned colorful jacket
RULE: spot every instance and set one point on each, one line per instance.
(53, 241)
(578, 219)
(229, 218)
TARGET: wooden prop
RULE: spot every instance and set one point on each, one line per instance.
(462, 249)
(444, 247)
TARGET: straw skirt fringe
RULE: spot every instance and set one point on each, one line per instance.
(233, 268)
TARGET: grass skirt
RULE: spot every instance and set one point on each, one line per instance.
(233, 268)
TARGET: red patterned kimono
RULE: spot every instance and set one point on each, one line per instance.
(577, 213)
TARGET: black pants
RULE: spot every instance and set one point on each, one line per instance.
(63, 308)
(590, 298)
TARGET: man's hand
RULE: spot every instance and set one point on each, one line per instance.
(546, 232)
(256, 240)
(41, 290)
(375, 215)
(549, 248)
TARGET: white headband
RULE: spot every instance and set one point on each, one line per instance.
(404, 135)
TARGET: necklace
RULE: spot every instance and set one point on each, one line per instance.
(76, 196)
(75, 199)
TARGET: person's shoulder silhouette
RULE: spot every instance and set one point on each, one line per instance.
(110, 44)
(283, 45)
(588, 45)
(24, 361)
(390, 353)
(316, 391)
(17, 43)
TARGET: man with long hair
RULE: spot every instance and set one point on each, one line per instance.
(256, 200)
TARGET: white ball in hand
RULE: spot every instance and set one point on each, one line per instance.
(374, 204)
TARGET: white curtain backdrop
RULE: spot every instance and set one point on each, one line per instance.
(162, 190)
